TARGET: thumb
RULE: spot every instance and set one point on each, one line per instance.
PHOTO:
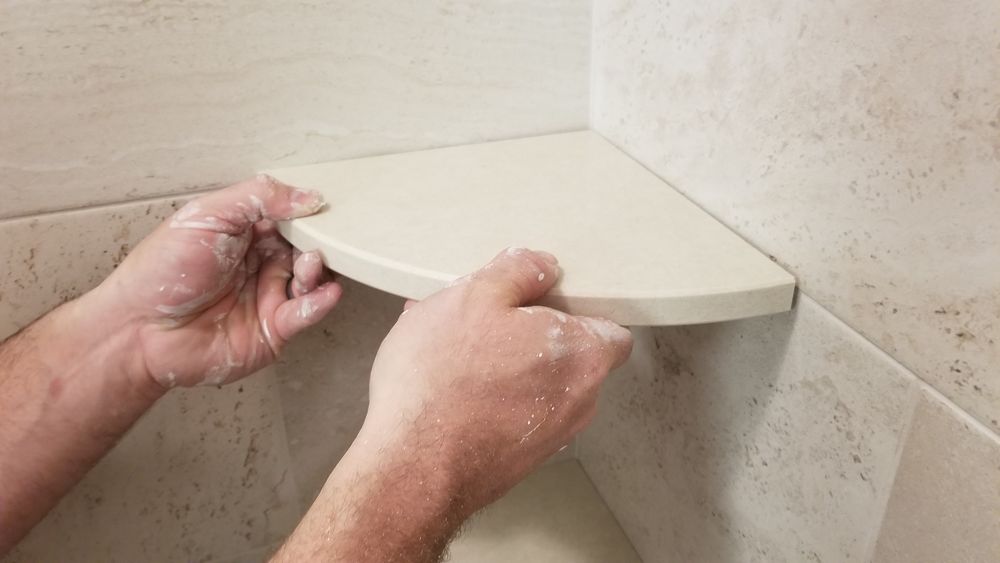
(235, 209)
(516, 276)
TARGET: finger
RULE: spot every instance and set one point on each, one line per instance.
(235, 209)
(614, 341)
(409, 304)
(296, 314)
(516, 276)
(307, 273)
(272, 279)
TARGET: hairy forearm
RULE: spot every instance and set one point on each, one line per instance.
(380, 506)
(69, 389)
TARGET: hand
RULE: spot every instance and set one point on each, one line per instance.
(470, 391)
(484, 386)
(205, 294)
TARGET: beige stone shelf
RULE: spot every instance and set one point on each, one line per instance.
(631, 248)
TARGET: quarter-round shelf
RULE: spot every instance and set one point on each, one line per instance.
(631, 248)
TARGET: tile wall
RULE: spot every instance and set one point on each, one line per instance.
(113, 112)
(859, 144)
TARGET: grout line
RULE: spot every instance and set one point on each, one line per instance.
(108, 205)
(960, 413)
(922, 385)
(926, 386)
(884, 496)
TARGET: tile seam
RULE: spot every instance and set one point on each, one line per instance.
(106, 205)
(922, 384)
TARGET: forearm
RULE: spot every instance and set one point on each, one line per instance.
(70, 386)
(379, 506)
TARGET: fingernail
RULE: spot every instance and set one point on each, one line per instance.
(547, 257)
(308, 200)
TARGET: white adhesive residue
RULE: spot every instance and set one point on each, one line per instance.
(181, 289)
(228, 250)
(307, 209)
(557, 342)
(606, 330)
(184, 214)
(307, 308)
(188, 217)
(217, 375)
(257, 204)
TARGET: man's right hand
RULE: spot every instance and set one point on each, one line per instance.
(470, 391)
(487, 385)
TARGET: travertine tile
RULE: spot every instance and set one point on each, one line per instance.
(205, 475)
(105, 101)
(52, 258)
(945, 503)
(772, 439)
(555, 516)
(858, 142)
(324, 382)
(261, 555)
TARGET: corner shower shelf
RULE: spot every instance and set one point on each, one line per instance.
(631, 248)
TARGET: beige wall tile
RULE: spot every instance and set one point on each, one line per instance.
(945, 503)
(858, 142)
(771, 439)
(50, 259)
(553, 516)
(261, 555)
(105, 101)
(324, 382)
(203, 476)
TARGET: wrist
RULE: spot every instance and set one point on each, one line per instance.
(385, 502)
(94, 332)
(412, 471)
